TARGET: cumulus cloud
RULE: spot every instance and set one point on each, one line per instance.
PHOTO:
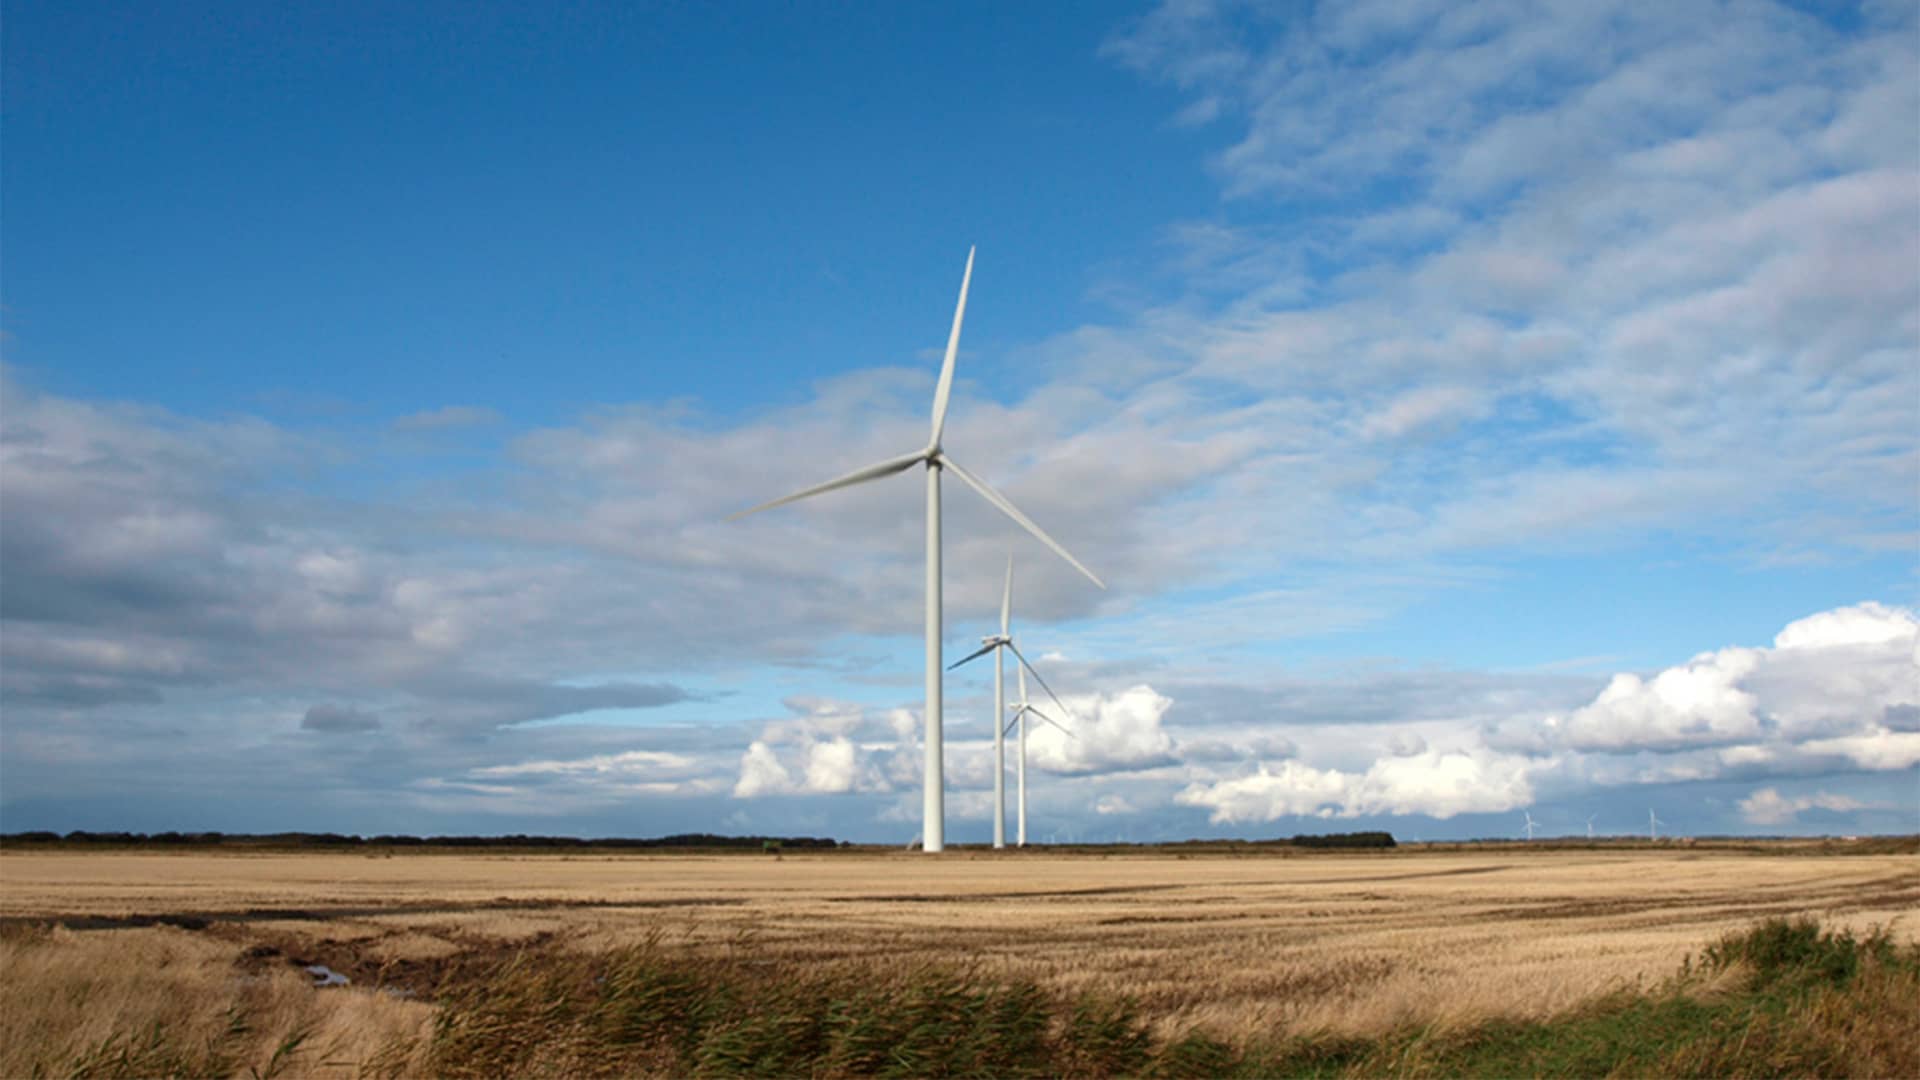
(1836, 674)
(1698, 703)
(1108, 734)
(1869, 624)
(1833, 693)
(1767, 806)
(1437, 784)
(814, 752)
(761, 773)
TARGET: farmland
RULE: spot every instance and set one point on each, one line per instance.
(1239, 950)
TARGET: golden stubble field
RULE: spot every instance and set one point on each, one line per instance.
(1235, 945)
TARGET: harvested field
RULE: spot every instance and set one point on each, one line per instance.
(1324, 943)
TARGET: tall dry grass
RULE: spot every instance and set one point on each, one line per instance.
(169, 1002)
(1781, 998)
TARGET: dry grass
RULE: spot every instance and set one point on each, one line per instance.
(164, 1001)
(1237, 948)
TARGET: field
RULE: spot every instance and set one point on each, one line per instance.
(1231, 951)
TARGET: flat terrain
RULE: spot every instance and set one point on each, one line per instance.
(1319, 942)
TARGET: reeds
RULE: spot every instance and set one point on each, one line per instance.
(167, 1002)
(1780, 998)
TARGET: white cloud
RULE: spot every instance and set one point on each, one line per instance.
(1835, 692)
(1867, 624)
(635, 764)
(448, 417)
(1435, 783)
(761, 773)
(817, 748)
(1874, 750)
(1833, 674)
(1424, 408)
(1682, 241)
(1767, 806)
(1698, 703)
(832, 766)
(1108, 733)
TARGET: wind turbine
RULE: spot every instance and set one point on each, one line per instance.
(1020, 714)
(1530, 824)
(1653, 826)
(933, 810)
(994, 643)
(1590, 818)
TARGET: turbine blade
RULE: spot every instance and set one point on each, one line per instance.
(974, 655)
(1038, 679)
(858, 476)
(1006, 599)
(1022, 673)
(941, 393)
(1013, 512)
(1055, 723)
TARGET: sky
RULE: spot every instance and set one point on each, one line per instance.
(1475, 411)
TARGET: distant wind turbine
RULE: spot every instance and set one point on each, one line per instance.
(1653, 826)
(1590, 818)
(1020, 714)
(1530, 824)
(936, 459)
(994, 643)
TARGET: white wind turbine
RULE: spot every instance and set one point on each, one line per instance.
(993, 643)
(1020, 714)
(1653, 826)
(933, 812)
(1590, 818)
(1530, 824)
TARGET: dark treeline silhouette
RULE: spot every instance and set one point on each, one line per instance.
(1350, 840)
(709, 841)
(337, 840)
(1345, 840)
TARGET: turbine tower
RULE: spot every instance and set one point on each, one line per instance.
(1590, 818)
(1020, 713)
(1653, 826)
(1530, 824)
(994, 643)
(933, 811)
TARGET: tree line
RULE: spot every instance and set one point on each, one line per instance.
(83, 838)
(80, 837)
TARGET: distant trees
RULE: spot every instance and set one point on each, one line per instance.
(1346, 840)
(676, 842)
(80, 837)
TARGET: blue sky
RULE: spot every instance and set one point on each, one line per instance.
(1473, 409)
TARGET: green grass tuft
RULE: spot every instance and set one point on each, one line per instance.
(1797, 951)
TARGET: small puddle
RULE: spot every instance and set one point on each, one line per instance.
(326, 976)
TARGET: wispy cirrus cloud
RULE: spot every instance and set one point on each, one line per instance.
(448, 418)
